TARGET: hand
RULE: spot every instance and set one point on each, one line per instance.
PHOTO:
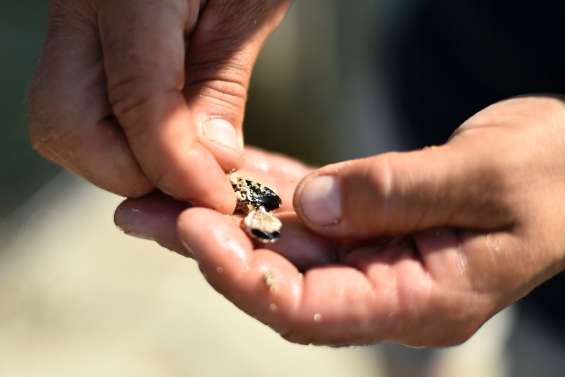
(137, 94)
(154, 216)
(438, 240)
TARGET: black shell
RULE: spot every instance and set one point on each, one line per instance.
(255, 195)
(265, 236)
(262, 196)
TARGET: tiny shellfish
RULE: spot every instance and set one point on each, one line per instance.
(256, 201)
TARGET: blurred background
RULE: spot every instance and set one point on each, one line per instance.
(77, 297)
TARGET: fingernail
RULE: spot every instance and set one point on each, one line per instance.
(131, 222)
(320, 200)
(222, 132)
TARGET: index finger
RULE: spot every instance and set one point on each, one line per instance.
(144, 58)
(333, 304)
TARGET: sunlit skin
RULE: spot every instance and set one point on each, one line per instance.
(462, 231)
(429, 245)
(125, 88)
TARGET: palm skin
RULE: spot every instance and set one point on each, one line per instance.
(481, 231)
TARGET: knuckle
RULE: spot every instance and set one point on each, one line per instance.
(444, 334)
(502, 188)
(41, 135)
(128, 94)
(135, 100)
(50, 115)
(462, 335)
(50, 124)
(165, 181)
(48, 130)
(229, 95)
(47, 142)
(220, 80)
(220, 86)
(141, 84)
(71, 16)
(379, 176)
(464, 323)
(40, 141)
(244, 16)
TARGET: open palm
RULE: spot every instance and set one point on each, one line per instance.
(313, 289)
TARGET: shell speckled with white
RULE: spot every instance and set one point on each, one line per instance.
(256, 201)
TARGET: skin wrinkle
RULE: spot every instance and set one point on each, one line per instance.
(89, 15)
(422, 316)
(378, 322)
(394, 313)
(385, 183)
(237, 16)
(231, 55)
(462, 260)
(222, 80)
(495, 253)
(373, 324)
(424, 291)
(194, 10)
(130, 105)
(487, 272)
(138, 78)
(305, 284)
(420, 329)
(421, 219)
(217, 72)
(417, 254)
(50, 139)
(221, 95)
(37, 92)
(446, 292)
(363, 321)
(297, 292)
(433, 289)
(120, 91)
(133, 130)
(66, 17)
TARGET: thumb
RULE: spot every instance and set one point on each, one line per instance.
(177, 80)
(221, 53)
(399, 193)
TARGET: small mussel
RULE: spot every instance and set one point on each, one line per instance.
(256, 201)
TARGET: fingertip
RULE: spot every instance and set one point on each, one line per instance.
(318, 202)
(320, 199)
(214, 239)
(132, 221)
(196, 177)
(155, 206)
(152, 217)
(261, 282)
(186, 224)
